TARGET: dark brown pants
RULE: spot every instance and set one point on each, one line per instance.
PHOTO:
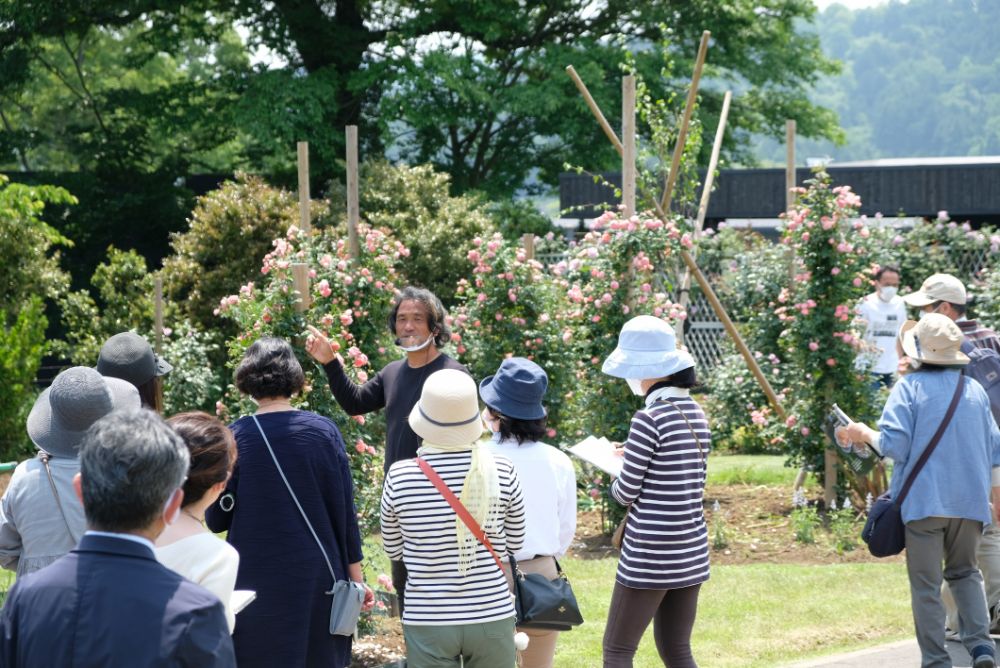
(672, 612)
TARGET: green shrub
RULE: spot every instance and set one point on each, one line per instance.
(21, 346)
(350, 299)
(438, 229)
(230, 230)
(120, 299)
(29, 274)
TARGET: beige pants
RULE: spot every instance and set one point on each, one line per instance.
(541, 643)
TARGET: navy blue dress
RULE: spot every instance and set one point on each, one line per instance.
(288, 623)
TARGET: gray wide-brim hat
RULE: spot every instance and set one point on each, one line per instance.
(647, 348)
(130, 357)
(77, 398)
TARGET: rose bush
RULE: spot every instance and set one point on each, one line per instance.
(349, 300)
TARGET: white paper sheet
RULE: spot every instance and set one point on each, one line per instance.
(601, 453)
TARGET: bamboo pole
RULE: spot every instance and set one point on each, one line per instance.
(353, 208)
(628, 146)
(303, 163)
(692, 266)
(158, 313)
(675, 163)
(300, 280)
(594, 109)
(706, 193)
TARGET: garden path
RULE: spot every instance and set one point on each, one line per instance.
(900, 654)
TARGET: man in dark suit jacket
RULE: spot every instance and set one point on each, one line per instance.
(110, 602)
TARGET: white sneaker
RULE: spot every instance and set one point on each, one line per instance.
(951, 634)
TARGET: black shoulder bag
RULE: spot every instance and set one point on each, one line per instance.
(884, 531)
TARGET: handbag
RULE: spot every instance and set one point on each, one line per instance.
(618, 537)
(542, 603)
(538, 602)
(884, 531)
(348, 596)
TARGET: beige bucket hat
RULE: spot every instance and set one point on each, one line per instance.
(448, 410)
(934, 339)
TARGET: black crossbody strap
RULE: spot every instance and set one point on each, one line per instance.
(934, 441)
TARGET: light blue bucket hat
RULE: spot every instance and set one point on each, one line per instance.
(647, 348)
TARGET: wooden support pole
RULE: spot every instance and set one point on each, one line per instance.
(594, 109)
(699, 277)
(300, 279)
(675, 163)
(528, 241)
(713, 163)
(706, 193)
(353, 207)
(158, 314)
(628, 146)
(789, 164)
(305, 223)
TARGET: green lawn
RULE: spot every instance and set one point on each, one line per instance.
(760, 614)
(750, 470)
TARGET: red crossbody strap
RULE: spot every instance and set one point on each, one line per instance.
(457, 506)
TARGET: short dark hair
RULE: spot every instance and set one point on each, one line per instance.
(436, 315)
(213, 451)
(269, 369)
(960, 309)
(130, 464)
(519, 430)
(685, 379)
(884, 268)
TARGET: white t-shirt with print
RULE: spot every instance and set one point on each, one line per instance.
(883, 322)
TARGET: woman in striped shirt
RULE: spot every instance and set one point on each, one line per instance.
(664, 558)
(458, 606)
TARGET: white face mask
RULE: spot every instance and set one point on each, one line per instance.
(887, 292)
(489, 422)
(413, 349)
(635, 384)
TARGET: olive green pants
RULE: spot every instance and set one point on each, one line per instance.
(483, 645)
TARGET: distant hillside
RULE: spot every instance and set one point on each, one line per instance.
(920, 78)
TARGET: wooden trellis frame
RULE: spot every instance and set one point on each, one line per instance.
(659, 205)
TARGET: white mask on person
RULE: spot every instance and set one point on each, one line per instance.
(635, 384)
(887, 292)
(418, 347)
(489, 421)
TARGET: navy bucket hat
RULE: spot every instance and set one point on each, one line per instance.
(516, 389)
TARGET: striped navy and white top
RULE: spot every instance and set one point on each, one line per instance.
(418, 526)
(666, 540)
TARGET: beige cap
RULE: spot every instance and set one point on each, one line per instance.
(934, 339)
(937, 288)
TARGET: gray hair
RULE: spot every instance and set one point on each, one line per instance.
(130, 464)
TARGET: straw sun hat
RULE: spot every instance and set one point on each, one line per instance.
(934, 339)
(448, 410)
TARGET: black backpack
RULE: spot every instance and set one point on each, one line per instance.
(984, 368)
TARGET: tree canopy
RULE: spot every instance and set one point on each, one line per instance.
(477, 89)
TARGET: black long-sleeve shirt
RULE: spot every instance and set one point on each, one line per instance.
(396, 388)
